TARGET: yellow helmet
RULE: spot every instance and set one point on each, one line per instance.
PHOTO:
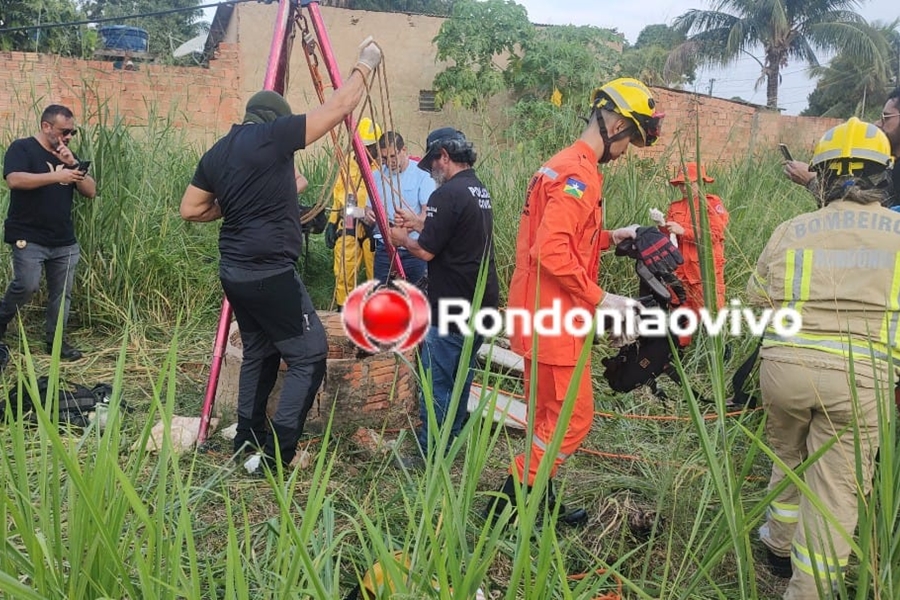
(631, 99)
(376, 582)
(368, 131)
(853, 148)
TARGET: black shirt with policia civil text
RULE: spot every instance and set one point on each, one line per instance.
(458, 231)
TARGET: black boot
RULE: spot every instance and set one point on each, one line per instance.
(780, 565)
(567, 516)
(505, 496)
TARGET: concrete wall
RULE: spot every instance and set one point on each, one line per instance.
(410, 65)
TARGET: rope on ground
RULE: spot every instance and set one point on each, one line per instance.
(617, 595)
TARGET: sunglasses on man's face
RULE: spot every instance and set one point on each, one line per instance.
(64, 132)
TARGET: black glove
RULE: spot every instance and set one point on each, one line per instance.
(655, 250)
(331, 235)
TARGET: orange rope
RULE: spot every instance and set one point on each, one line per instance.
(617, 595)
(613, 455)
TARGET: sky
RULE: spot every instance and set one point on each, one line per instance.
(629, 18)
(738, 80)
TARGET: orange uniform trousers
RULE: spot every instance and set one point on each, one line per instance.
(550, 394)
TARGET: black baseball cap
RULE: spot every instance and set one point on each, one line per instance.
(434, 143)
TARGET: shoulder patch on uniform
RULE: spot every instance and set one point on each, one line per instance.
(574, 187)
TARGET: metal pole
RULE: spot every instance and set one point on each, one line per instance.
(362, 158)
(275, 75)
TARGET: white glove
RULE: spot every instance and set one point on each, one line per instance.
(369, 54)
(252, 464)
(621, 304)
(657, 216)
(623, 233)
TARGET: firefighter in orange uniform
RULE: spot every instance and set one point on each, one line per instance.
(679, 222)
(558, 250)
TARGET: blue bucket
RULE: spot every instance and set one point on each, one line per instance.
(122, 37)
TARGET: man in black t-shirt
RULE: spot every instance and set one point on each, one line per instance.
(456, 239)
(248, 179)
(42, 174)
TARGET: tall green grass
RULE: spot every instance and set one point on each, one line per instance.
(88, 517)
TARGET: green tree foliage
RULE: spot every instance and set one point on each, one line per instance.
(165, 32)
(647, 59)
(473, 38)
(570, 59)
(547, 71)
(786, 30)
(552, 80)
(660, 35)
(67, 41)
(848, 87)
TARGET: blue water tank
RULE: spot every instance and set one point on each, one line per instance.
(122, 37)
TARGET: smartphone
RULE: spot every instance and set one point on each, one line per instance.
(785, 152)
(84, 165)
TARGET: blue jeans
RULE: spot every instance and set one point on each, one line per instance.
(29, 263)
(441, 355)
(414, 268)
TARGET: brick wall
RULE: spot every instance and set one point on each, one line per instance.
(204, 101)
(728, 131)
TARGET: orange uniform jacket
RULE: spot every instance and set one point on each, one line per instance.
(689, 272)
(558, 248)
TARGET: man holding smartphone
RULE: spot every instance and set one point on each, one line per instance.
(799, 172)
(43, 173)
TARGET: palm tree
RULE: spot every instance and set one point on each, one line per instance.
(786, 29)
(848, 88)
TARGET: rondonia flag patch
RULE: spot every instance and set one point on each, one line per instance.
(574, 187)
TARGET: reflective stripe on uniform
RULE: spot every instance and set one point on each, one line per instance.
(543, 446)
(833, 345)
(889, 329)
(784, 512)
(804, 561)
(797, 277)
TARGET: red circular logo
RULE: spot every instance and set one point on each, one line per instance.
(379, 319)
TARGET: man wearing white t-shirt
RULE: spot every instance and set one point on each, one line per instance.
(400, 184)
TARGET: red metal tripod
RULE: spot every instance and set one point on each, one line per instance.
(290, 14)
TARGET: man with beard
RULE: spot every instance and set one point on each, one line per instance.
(42, 174)
(456, 240)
